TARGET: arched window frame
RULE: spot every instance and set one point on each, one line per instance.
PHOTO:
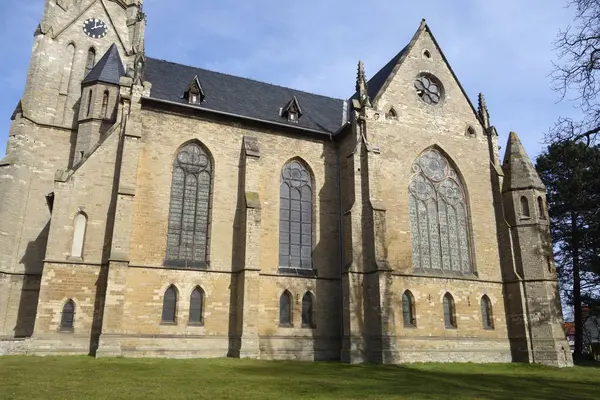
(68, 69)
(169, 308)
(296, 245)
(440, 218)
(308, 310)
(90, 62)
(449, 312)
(408, 310)
(197, 304)
(286, 302)
(89, 103)
(67, 316)
(190, 248)
(525, 210)
(105, 98)
(487, 316)
(80, 221)
(541, 208)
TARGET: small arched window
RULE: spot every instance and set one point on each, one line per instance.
(197, 307)
(79, 228)
(486, 313)
(89, 103)
(296, 220)
(541, 212)
(408, 309)
(91, 61)
(525, 207)
(285, 309)
(308, 311)
(68, 316)
(449, 312)
(169, 311)
(105, 105)
(68, 69)
(391, 114)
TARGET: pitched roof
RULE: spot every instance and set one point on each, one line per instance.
(108, 70)
(519, 172)
(242, 96)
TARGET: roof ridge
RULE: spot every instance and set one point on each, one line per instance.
(245, 78)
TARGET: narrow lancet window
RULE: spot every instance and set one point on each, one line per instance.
(541, 212)
(525, 207)
(486, 313)
(89, 103)
(67, 317)
(439, 220)
(189, 215)
(449, 312)
(307, 310)
(105, 105)
(285, 309)
(295, 218)
(169, 311)
(197, 307)
(408, 309)
(90, 62)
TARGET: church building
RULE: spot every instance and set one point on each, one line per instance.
(153, 209)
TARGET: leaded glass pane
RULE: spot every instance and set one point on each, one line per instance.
(438, 217)
(449, 318)
(407, 309)
(169, 305)
(189, 214)
(285, 309)
(307, 310)
(295, 223)
(486, 313)
(196, 305)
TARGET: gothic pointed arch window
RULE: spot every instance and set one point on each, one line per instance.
(104, 112)
(408, 309)
(197, 307)
(295, 218)
(79, 228)
(169, 311)
(525, 213)
(307, 310)
(449, 312)
(91, 61)
(439, 220)
(285, 309)
(67, 317)
(486, 313)
(188, 234)
(68, 69)
(541, 213)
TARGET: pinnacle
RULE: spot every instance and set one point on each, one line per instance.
(519, 172)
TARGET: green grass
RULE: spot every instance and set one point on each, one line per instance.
(87, 378)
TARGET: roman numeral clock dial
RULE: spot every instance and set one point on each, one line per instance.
(95, 28)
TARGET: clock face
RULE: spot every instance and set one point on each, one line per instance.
(95, 28)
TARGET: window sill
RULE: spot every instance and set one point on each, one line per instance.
(167, 323)
(491, 328)
(304, 272)
(286, 325)
(452, 328)
(66, 330)
(307, 326)
(196, 324)
(187, 265)
(411, 326)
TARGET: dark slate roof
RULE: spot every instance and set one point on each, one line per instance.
(519, 172)
(108, 70)
(242, 96)
(375, 84)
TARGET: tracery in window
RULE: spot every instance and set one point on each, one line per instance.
(438, 217)
(169, 311)
(197, 307)
(67, 317)
(189, 215)
(295, 218)
(408, 309)
(429, 89)
(285, 309)
(449, 311)
(307, 310)
(486, 313)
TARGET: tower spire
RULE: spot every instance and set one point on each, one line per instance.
(483, 112)
(361, 86)
(519, 172)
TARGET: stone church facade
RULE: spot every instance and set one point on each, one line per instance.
(155, 209)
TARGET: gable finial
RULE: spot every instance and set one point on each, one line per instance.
(361, 85)
(483, 112)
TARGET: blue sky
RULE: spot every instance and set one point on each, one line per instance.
(502, 48)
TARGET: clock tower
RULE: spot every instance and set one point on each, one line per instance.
(69, 42)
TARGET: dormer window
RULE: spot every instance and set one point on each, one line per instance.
(292, 110)
(194, 93)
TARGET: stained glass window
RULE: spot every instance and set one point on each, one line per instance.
(295, 218)
(438, 217)
(449, 312)
(285, 309)
(189, 215)
(307, 310)
(486, 313)
(196, 307)
(169, 311)
(68, 316)
(429, 89)
(408, 309)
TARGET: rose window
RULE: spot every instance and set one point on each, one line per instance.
(428, 89)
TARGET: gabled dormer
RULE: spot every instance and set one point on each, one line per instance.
(194, 93)
(292, 110)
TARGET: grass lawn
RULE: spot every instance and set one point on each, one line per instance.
(87, 378)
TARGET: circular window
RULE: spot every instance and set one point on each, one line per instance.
(429, 89)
